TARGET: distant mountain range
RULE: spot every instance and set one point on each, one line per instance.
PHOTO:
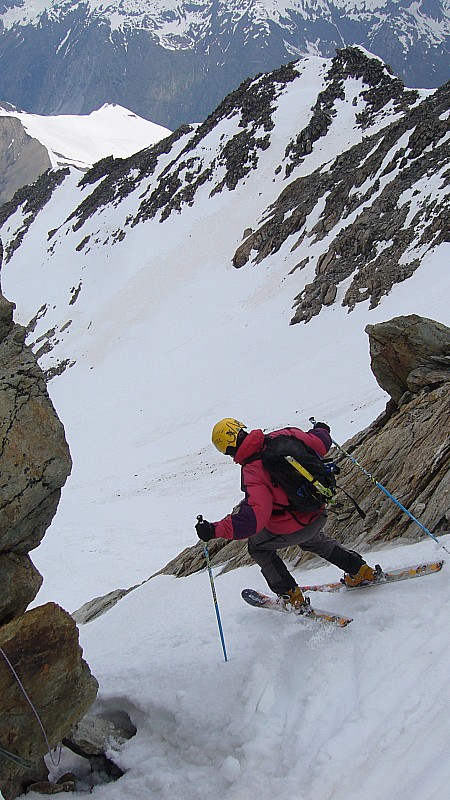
(172, 61)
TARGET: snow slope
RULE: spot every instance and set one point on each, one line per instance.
(83, 140)
(299, 710)
(166, 338)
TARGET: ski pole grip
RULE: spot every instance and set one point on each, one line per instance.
(200, 519)
(312, 421)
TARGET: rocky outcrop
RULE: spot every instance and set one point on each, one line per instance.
(22, 158)
(32, 199)
(39, 649)
(42, 648)
(34, 452)
(20, 583)
(408, 354)
(178, 184)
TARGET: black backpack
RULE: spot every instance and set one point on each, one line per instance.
(306, 494)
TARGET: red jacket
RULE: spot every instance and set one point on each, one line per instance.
(255, 511)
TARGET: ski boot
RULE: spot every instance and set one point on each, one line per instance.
(364, 577)
(294, 600)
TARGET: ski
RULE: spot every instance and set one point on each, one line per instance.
(259, 600)
(400, 574)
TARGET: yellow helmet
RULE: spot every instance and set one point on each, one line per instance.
(225, 434)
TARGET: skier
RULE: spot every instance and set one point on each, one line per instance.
(261, 518)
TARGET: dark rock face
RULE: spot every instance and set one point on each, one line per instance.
(42, 646)
(35, 462)
(39, 647)
(407, 448)
(20, 584)
(35, 456)
(22, 159)
(32, 198)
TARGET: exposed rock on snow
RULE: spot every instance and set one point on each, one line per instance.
(42, 646)
(93, 735)
(31, 199)
(370, 233)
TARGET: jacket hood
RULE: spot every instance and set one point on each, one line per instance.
(253, 442)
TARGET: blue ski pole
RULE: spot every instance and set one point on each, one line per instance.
(213, 590)
(386, 491)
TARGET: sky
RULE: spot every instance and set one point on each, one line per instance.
(167, 338)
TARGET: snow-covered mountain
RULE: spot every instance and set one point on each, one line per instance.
(173, 61)
(80, 141)
(30, 144)
(158, 292)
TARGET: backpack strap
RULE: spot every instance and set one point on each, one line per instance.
(282, 509)
(358, 508)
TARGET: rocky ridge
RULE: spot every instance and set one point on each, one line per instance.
(350, 221)
(370, 229)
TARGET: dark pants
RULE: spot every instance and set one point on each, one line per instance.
(263, 546)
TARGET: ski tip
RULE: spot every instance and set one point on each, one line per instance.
(254, 598)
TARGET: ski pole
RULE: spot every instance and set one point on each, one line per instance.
(386, 491)
(213, 590)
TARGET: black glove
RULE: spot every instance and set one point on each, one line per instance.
(322, 425)
(205, 530)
